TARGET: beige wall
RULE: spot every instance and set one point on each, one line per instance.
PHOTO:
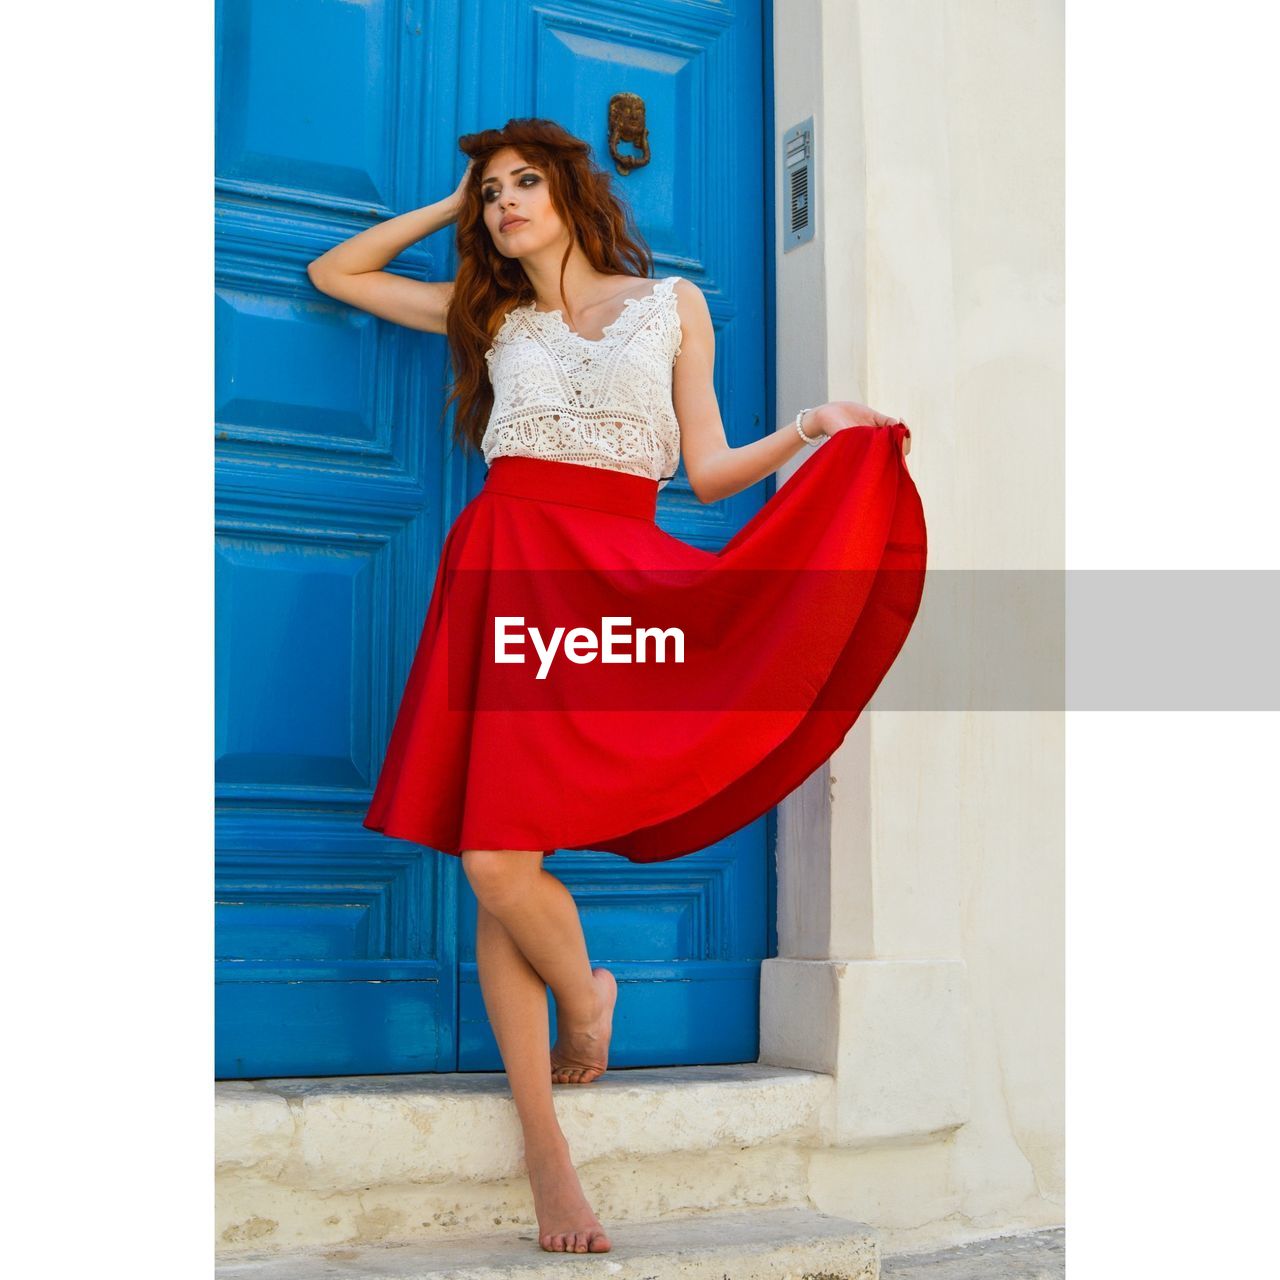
(937, 277)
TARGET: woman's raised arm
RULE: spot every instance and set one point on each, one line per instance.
(353, 270)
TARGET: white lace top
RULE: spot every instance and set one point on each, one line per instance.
(604, 403)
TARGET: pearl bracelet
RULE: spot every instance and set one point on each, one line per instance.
(812, 441)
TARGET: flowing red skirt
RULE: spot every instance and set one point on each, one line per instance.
(788, 630)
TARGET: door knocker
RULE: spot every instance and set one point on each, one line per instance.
(626, 124)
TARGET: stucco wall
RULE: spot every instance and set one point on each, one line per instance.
(937, 279)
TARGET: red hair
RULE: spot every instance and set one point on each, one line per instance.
(488, 284)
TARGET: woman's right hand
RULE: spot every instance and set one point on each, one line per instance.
(456, 200)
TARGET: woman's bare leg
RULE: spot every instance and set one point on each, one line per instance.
(515, 999)
(541, 916)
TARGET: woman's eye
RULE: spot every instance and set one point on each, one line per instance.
(490, 192)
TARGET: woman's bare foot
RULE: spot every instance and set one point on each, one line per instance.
(566, 1223)
(581, 1054)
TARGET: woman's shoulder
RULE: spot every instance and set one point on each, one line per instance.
(504, 328)
(691, 302)
(681, 284)
(689, 297)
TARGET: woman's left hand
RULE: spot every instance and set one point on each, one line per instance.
(837, 415)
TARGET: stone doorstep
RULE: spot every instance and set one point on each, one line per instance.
(1028, 1255)
(347, 1133)
(777, 1244)
(256, 1216)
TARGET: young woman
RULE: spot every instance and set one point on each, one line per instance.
(582, 381)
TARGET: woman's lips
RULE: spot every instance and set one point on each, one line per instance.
(513, 224)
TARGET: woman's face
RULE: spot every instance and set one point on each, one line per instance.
(516, 192)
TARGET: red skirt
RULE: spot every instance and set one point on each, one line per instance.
(530, 723)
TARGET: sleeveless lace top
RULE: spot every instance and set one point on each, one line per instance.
(604, 403)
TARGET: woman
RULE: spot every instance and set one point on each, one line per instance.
(583, 381)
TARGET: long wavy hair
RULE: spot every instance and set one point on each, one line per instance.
(488, 285)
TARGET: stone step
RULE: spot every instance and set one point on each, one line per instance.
(363, 1160)
(778, 1244)
(1031, 1255)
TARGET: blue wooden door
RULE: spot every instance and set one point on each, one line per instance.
(341, 951)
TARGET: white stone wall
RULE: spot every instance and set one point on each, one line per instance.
(921, 896)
